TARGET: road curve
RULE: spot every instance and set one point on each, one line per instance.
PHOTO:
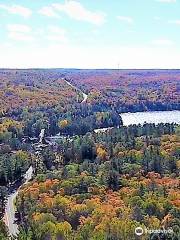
(9, 215)
(85, 96)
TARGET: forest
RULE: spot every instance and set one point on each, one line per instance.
(130, 90)
(89, 185)
(118, 90)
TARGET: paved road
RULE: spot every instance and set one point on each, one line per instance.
(9, 216)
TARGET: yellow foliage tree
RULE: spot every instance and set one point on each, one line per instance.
(102, 153)
(63, 123)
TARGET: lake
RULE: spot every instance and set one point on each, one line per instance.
(151, 117)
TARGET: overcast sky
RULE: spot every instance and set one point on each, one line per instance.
(90, 33)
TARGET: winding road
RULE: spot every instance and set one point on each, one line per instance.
(10, 210)
(9, 216)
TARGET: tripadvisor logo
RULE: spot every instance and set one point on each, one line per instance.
(139, 231)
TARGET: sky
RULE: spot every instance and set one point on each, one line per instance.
(89, 34)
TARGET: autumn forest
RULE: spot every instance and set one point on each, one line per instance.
(93, 177)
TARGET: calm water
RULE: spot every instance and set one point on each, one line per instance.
(151, 117)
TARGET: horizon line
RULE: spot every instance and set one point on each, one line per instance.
(72, 68)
